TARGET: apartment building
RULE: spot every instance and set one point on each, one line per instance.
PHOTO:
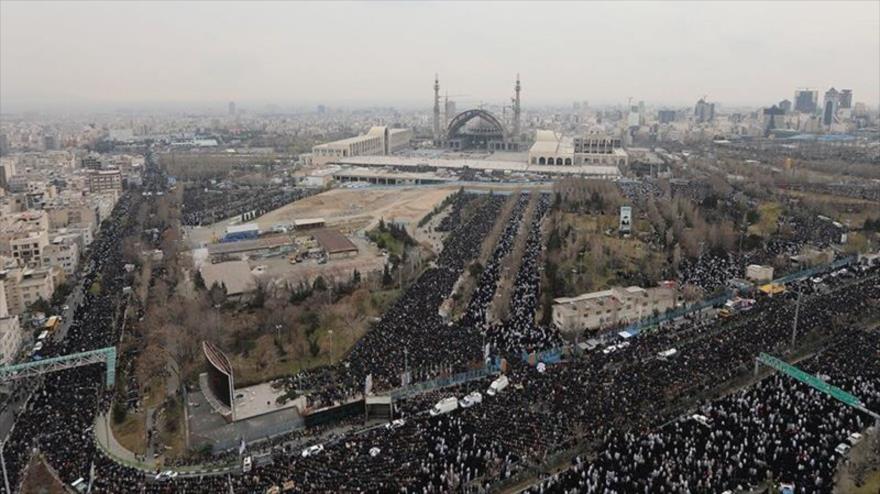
(10, 331)
(24, 286)
(10, 339)
(62, 253)
(104, 180)
(611, 308)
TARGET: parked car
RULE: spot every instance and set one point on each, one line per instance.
(854, 438)
(312, 450)
(445, 405)
(498, 385)
(471, 400)
(166, 475)
(702, 420)
(395, 424)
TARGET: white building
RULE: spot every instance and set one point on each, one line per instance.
(756, 272)
(24, 286)
(62, 253)
(611, 308)
(551, 148)
(379, 141)
(10, 339)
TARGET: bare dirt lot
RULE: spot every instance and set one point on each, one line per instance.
(347, 210)
(39, 479)
(355, 209)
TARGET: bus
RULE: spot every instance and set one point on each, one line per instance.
(52, 323)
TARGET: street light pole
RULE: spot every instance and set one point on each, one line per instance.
(795, 324)
(3, 462)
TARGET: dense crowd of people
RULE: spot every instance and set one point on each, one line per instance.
(204, 206)
(620, 402)
(519, 331)
(477, 312)
(412, 330)
(777, 430)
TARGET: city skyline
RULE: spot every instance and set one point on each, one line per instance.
(198, 54)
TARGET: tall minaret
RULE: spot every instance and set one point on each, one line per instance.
(516, 110)
(436, 110)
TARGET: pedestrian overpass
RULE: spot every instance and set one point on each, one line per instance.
(107, 356)
(814, 382)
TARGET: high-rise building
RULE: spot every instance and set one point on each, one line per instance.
(805, 100)
(666, 116)
(785, 106)
(704, 111)
(92, 163)
(50, 142)
(232, 107)
(632, 119)
(322, 109)
(846, 98)
(642, 113)
(4, 145)
(773, 118)
(830, 107)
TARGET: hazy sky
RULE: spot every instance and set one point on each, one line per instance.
(750, 53)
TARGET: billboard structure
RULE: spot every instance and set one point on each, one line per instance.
(221, 382)
(625, 219)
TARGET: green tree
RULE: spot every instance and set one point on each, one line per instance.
(119, 412)
(217, 293)
(319, 285)
(40, 305)
(387, 280)
(198, 280)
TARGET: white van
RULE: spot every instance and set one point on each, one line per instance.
(80, 485)
(445, 405)
(43, 335)
(498, 385)
(702, 420)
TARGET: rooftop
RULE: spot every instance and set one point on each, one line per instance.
(478, 164)
(334, 242)
(236, 275)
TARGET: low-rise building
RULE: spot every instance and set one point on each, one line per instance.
(235, 276)
(24, 286)
(551, 148)
(105, 180)
(756, 272)
(611, 308)
(62, 253)
(27, 247)
(379, 140)
(335, 244)
(10, 338)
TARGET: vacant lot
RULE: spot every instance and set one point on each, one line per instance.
(355, 209)
(39, 480)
